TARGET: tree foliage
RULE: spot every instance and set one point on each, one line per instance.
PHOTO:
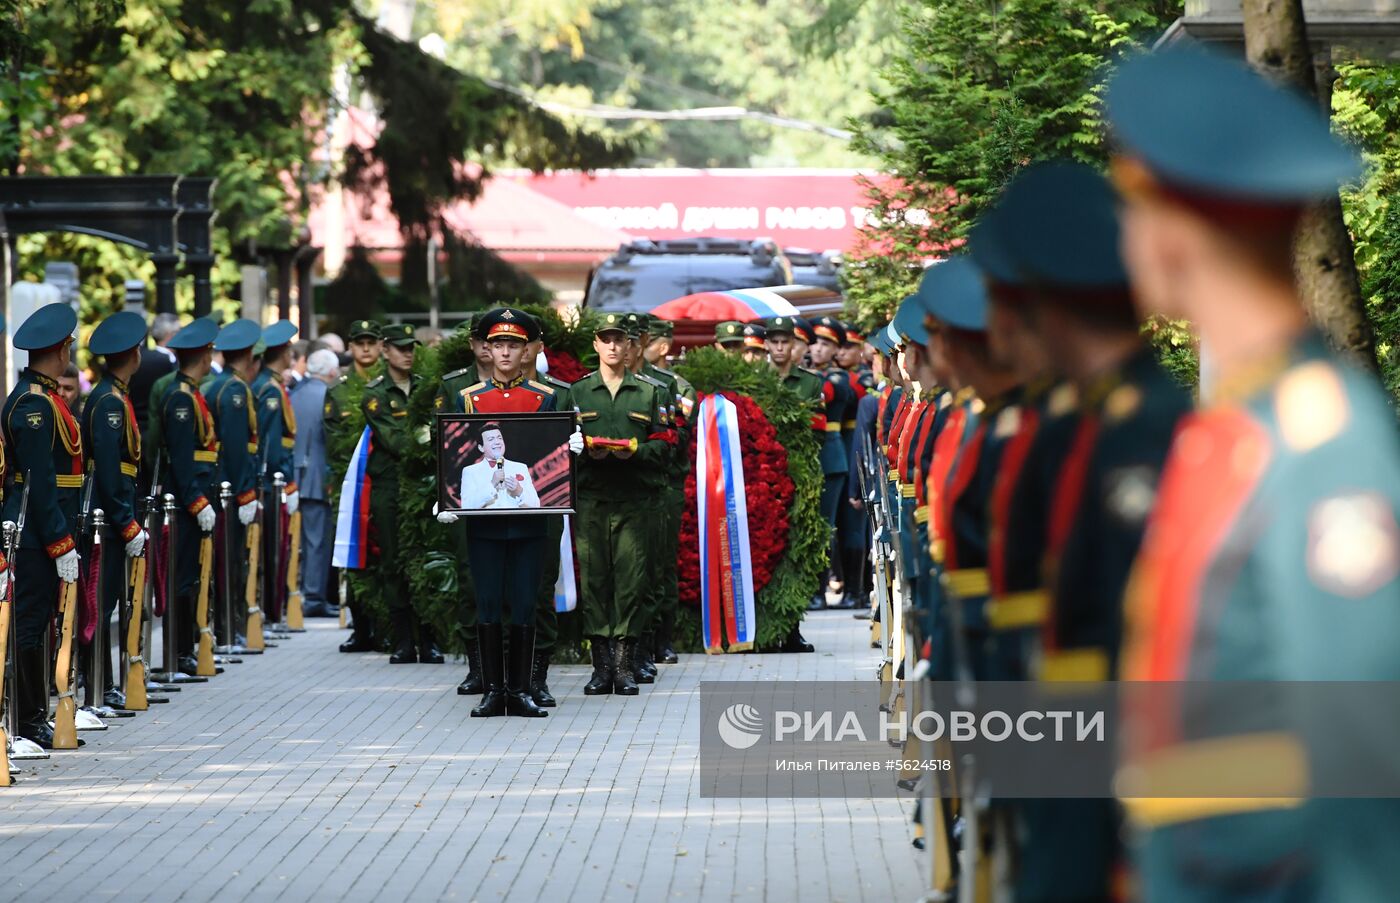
(975, 92)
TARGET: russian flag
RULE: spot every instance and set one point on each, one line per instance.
(352, 520)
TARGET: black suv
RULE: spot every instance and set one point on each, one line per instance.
(819, 268)
(643, 274)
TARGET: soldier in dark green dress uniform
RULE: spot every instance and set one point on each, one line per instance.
(235, 420)
(190, 444)
(1273, 551)
(277, 434)
(112, 445)
(366, 349)
(43, 449)
(385, 407)
(628, 451)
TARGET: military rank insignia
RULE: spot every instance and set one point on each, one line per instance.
(34, 420)
(372, 405)
(238, 400)
(114, 420)
(182, 414)
(271, 404)
(327, 409)
(437, 403)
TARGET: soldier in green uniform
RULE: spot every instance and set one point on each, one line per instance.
(385, 406)
(190, 444)
(628, 449)
(277, 433)
(235, 421)
(366, 349)
(1273, 551)
(112, 446)
(729, 336)
(43, 450)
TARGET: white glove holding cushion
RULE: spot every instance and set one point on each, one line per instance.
(576, 442)
(205, 518)
(135, 545)
(444, 517)
(67, 564)
(247, 512)
(293, 500)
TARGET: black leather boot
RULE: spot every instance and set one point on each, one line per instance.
(795, 642)
(428, 652)
(32, 694)
(642, 667)
(519, 702)
(665, 652)
(493, 700)
(405, 653)
(624, 667)
(362, 637)
(471, 685)
(601, 684)
(539, 680)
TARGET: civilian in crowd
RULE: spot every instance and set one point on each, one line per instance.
(155, 363)
(309, 463)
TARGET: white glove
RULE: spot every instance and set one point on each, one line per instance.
(444, 517)
(576, 442)
(135, 545)
(4, 581)
(68, 566)
(205, 519)
(293, 499)
(247, 512)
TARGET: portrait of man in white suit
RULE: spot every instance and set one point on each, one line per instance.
(495, 481)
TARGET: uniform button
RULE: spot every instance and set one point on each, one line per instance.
(505, 394)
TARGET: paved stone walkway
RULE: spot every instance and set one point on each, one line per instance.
(304, 774)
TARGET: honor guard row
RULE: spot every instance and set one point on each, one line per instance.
(1047, 504)
(85, 539)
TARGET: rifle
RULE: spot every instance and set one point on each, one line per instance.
(292, 608)
(134, 674)
(7, 604)
(205, 666)
(253, 630)
(273, 567)
(65, 729)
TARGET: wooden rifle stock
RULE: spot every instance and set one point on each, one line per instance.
(135, 628)
(205, 661)
(254, 628)
(295, 619)
(65, 730)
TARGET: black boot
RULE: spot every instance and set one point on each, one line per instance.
(519, 702)
(665, 653)
(601, 684)
(428, 652)
(642, 667)
(539, 680)
(32, 694)
(362, 637)
(795, 642)
(405, 653)
(493, 701)
(624, 667)
(471, 684)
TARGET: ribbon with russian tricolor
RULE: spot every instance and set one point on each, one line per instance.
(726, 572)
(352, 518)
(566, 587)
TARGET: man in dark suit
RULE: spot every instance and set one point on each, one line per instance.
(309, 466)
(155, 363)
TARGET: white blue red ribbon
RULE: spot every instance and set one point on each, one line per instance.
(726, 569)
(352, 519)
(566, 587)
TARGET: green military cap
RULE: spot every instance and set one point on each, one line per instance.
(400, 335)
(120, 332)
(364, 329)
(780, 325)
(46, 327)
(662, 328)
(632, 325)
(611, 323)
(730, 332)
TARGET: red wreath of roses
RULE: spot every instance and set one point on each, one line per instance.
(768, 492)
(564, 367)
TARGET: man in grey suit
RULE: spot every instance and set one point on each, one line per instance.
(309, 459)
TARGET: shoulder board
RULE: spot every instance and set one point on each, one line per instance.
(374, 382)
(651, 381)
(344, 378)
(670, 373)
(455, 373)
(838, 377)
(540, 387)
(475, 387)
(810, 372)
(1063, 400)
(556, 383)
(1008, 423)
(1122, 403)
(1311, 405)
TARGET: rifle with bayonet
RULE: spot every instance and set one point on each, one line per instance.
(65, 728)
(294, 617)
(8, 706)
(134, 672)
(253, 630)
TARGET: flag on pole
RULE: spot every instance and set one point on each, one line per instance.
(352, 520)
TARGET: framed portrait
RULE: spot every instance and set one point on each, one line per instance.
(492, 464)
